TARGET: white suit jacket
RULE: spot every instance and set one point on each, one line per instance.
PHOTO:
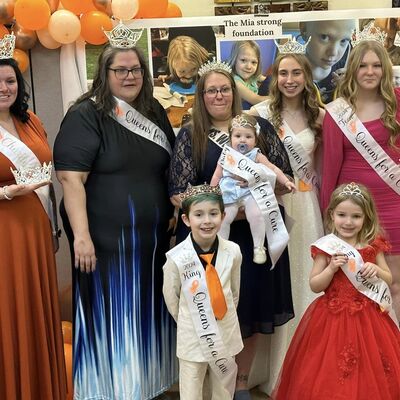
(228, 262)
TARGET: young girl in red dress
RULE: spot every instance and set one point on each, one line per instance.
(347, 345)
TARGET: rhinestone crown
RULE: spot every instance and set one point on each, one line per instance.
(121, 37)
(352, 189)
(370, 32)
(7, 45)
(292, 46)
(200, 189)
(26, 176)
(214, 65)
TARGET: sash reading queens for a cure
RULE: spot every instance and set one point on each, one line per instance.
(138, 124)
(364, 143)
(261, 182)
(375, 289)
(23, 157)
(194, 288)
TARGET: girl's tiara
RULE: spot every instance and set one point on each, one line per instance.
(7, 45)
(370, 32)
(240, 121)
(292, 46)
(121, 37)
(214, 65)
(351, 189)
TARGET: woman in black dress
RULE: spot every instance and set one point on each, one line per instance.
(265, 296)
(111, 157)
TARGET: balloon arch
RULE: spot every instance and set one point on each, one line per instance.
(58, 22)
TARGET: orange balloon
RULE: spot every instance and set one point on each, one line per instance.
(66, 327)
(173, 11)
(25, 39)
(104, 6)
(152, 8)
(92, 25)
(6, 11)
(78, 7)
(32, 14)
(53, 4)
(68, 367)
(22, 59)
(3, 31)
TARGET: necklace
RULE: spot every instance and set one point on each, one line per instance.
(292, 114)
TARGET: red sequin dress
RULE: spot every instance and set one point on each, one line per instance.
(344, 348)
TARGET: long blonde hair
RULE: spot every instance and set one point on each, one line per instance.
(201, 121)
(371, 227)
(311, 100)
(348, 86)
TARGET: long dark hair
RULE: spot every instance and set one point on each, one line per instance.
(20, 107)
(100, 89)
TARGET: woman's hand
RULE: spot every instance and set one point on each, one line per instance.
(369, 270)
(21, 190)
(85, 257)
(337, 261)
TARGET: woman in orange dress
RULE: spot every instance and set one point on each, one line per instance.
(31, 349)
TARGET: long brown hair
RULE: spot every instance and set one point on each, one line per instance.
(201, 121)
(311, 100)
(100, 90)
(348, 87)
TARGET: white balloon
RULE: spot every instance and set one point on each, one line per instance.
(124, 9)
(64, 26)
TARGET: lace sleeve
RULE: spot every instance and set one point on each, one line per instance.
(181, 170)
(272, 147)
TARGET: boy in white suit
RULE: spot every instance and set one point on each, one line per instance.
(201, 290)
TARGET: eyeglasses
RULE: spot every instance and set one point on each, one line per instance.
(122, 73)
(212, 92)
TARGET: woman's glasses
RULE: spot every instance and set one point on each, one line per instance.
(212, 92)
(122, 73)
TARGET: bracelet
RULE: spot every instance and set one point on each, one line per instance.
(5, 193)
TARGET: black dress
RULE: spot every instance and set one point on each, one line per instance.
(265, 296)
(124, 341)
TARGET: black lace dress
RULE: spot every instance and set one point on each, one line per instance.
(265, 296)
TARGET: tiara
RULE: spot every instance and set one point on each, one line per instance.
(239, 121)
(121, 37)
(7, 45)
(292, 46)
(351, 189)
(370, 32)
(214, 65)
(26, 176)
(200, 189)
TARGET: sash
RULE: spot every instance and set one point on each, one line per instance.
(138, 124)
(300, 161)
(23, 157)
(220, 138)
(364, 143)
(194, 288)
(261, 182)
(375, 288)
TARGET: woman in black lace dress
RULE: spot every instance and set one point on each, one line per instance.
(265, 296)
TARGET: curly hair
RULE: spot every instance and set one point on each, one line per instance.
(311, 99)
(348, 87)
(362, 197)
(20, 106)
(200, 124)
(100, 90)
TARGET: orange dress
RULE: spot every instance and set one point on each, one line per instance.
(31, 349)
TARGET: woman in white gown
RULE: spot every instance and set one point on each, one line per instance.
(293, 107)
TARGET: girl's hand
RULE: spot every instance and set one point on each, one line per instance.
(369, 270)
(290, 185)
(21, 190)
(242, 183)
(337, 261)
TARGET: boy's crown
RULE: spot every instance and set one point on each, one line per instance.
(214, 65)
(122, 37)
(292, 46)
(370, 32)
(7, 45)
(200, 189)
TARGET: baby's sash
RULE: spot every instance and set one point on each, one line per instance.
(138, 124)
(194, 288)
(364, 143)
(23, 157)
(375, 288)
(261, 182)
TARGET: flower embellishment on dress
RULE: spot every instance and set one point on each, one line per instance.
(121, 37)
(214, 65)
(27, 176)
(370, 32)
(352, 189)
(292, 46)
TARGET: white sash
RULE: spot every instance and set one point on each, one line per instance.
(23, 157)
(261, 182)
(365, 144)
(194, 288)
(300, 161)
(375, 289)
(138, 124)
